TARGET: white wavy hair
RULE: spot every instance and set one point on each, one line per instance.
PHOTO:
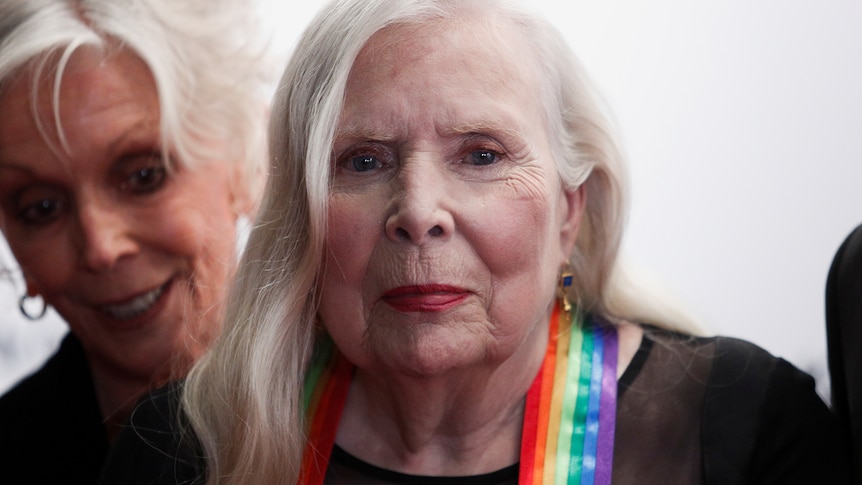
(212, 76)
(244, 398)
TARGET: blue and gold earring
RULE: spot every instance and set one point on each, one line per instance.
(563, 287)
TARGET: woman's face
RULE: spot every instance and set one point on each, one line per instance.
(133, 257)
(447, 221)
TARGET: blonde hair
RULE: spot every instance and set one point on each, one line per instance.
(244, 398)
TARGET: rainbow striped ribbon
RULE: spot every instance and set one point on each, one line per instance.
(568, 434)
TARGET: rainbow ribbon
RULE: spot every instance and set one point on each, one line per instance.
(568, 435)
(569, 418)
(328, 380)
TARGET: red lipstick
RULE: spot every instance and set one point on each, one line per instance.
(425, 298)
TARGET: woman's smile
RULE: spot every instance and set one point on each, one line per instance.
(143, 305)
(425, 298)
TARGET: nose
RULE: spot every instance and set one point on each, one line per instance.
(420, 213)
(106, 236)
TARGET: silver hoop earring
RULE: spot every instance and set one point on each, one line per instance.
(22, 305)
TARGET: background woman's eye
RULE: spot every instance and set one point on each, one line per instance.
(41, 212)
(145, 180)
(364, 163)
(483, 157)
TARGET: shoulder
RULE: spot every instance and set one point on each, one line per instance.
(739, 363)
(53, 416)
(64, 371)
(61, 390)
(62, 387)
(724, 365)
(733, 364)
(157, 445)
(762, 417)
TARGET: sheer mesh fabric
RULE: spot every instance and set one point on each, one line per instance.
(659, 411)
(712, 411)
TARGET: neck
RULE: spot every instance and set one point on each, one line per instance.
(466, 422)
(116, 396)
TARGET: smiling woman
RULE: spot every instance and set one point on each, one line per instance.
(120, 196)
(103, 232)
(76, 193)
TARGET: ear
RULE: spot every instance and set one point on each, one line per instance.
(241, 201)
(573, 203)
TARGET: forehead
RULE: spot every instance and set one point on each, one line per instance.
(487, 56)
(90, 78)
(460, 42)
(99, 94)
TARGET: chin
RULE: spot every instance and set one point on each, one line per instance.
(429, 357)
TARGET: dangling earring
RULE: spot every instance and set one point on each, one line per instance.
(30, 316)
(563, 288)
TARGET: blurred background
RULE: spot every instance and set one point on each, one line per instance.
(742, 122)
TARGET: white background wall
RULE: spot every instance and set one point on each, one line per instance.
(742, 121)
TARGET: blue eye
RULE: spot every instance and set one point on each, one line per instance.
(483, 157)
(364, 163)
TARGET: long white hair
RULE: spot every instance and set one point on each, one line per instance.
(244, 398)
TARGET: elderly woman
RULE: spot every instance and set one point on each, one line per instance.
(436, 254)
(130, 146)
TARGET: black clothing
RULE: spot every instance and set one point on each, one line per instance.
(346, 468)
(721, 411)
(844, 340)
(51, 428)
(158, 446)
(690, 411)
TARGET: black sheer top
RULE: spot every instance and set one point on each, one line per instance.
(689, 411)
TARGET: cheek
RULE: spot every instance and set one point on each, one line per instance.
(513, 236)
(518, 245)
(352, 235)
(197, 232)
(199, 219)
(201, 241)
(353, 230)
(47, 260)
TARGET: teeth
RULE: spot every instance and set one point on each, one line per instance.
(135, 307)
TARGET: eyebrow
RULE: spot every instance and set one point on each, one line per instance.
(354, 132)
(366, 133)
(481, 127)
(135, 134)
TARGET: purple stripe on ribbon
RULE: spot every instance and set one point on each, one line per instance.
(608, 413)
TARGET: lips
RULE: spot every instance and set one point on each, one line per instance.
(425, 298)
(135, 306)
